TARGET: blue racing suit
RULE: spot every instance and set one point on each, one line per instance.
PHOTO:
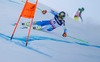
(52, 23)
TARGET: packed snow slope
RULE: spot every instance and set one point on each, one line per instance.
(81, 45)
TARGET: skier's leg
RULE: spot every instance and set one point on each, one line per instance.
(47, 28)
(41, 23)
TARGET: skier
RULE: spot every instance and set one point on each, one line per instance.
(79, 14)
(52, 24)
(49, 25)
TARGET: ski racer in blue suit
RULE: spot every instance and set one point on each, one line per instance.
(53, 23)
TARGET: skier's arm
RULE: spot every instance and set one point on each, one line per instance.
(81, 18)
(53, 12)
(64, 27)
(49, 11)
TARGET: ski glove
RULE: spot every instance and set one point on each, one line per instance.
(64, 34)
(44, 11)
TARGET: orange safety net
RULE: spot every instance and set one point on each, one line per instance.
(28, 10)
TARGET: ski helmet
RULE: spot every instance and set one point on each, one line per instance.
(62, 14)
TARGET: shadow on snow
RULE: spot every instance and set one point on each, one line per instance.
(32, 38)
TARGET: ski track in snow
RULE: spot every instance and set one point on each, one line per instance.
(14, 2)
(22, 44)
(33, 38)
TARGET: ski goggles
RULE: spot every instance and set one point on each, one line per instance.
(62, 15)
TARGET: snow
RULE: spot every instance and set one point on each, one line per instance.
(91, 8)
(81, 45)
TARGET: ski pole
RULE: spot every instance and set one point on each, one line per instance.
(78, 39)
